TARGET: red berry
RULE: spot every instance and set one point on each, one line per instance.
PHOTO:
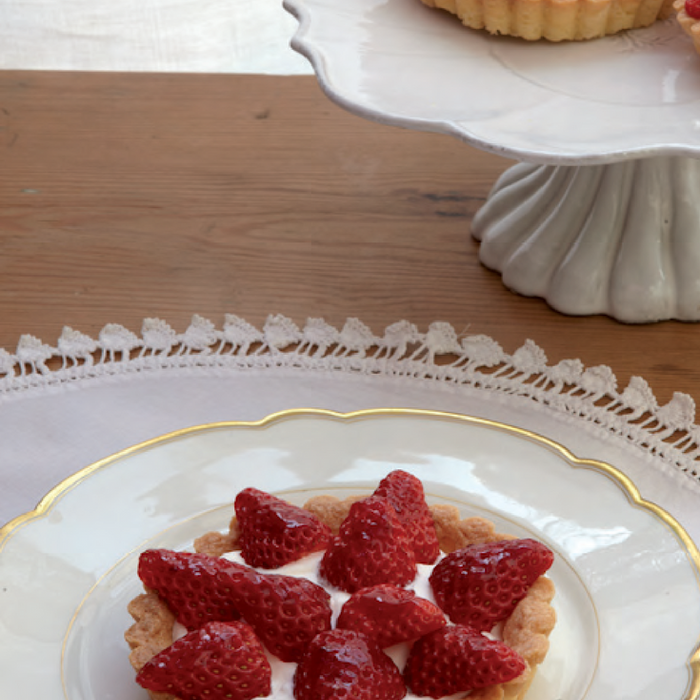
(389, 615)
(480, 585)
(196, 587)
(456, 659)
(219, 661)
(273, 532)
(345, 664)
(405, 492)
(692, 7)
(372, 547)
(285, 612)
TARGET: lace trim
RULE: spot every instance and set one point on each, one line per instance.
(439, 354)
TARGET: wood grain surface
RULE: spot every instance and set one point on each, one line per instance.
(125, 196)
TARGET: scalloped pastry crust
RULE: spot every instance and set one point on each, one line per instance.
(555, 20)
(527, 630)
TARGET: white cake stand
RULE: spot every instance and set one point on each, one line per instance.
(602, 213)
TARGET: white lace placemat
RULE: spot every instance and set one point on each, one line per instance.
(64, 406)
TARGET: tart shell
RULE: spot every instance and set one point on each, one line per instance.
(527, 630)
(555, 20)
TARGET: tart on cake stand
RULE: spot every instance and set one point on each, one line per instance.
(601, 215)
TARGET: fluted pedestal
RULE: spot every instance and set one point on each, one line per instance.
(620, 239)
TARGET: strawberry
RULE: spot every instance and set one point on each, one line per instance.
(219, 661)
(346, 664)
(405, 492)
(457, 659)
(692, 7)
(480, 585)
(273, 532)
(194, 586)
(285, 612)
(389, 615)
(371, 547)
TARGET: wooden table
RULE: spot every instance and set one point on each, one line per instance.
(126, 196)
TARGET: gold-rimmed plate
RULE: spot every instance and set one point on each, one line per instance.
(627, 576)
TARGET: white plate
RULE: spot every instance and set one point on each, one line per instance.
(628, 595)
(399, 62)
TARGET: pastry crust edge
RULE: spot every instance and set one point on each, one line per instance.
(555, 20)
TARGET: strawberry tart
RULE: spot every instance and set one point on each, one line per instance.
(375, 597)
(688, 16)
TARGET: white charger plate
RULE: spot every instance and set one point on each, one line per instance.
(627, 575)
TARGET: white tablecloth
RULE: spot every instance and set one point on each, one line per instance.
(215, 36)
(67, 404)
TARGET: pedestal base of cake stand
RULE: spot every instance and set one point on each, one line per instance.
(620, 239)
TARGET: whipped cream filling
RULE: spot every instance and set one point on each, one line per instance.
(282, 672)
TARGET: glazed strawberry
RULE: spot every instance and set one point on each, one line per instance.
(405, 492)
(346, 664)
(274, 532)
(480, 585)
(456, 659)
(196, 587)
(692, 7)
(219, 661)
(389, 615)
(285, 612)
(372, 547)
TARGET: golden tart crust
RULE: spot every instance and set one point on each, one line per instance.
(527, 630)
(690, 25)
(555, 20)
